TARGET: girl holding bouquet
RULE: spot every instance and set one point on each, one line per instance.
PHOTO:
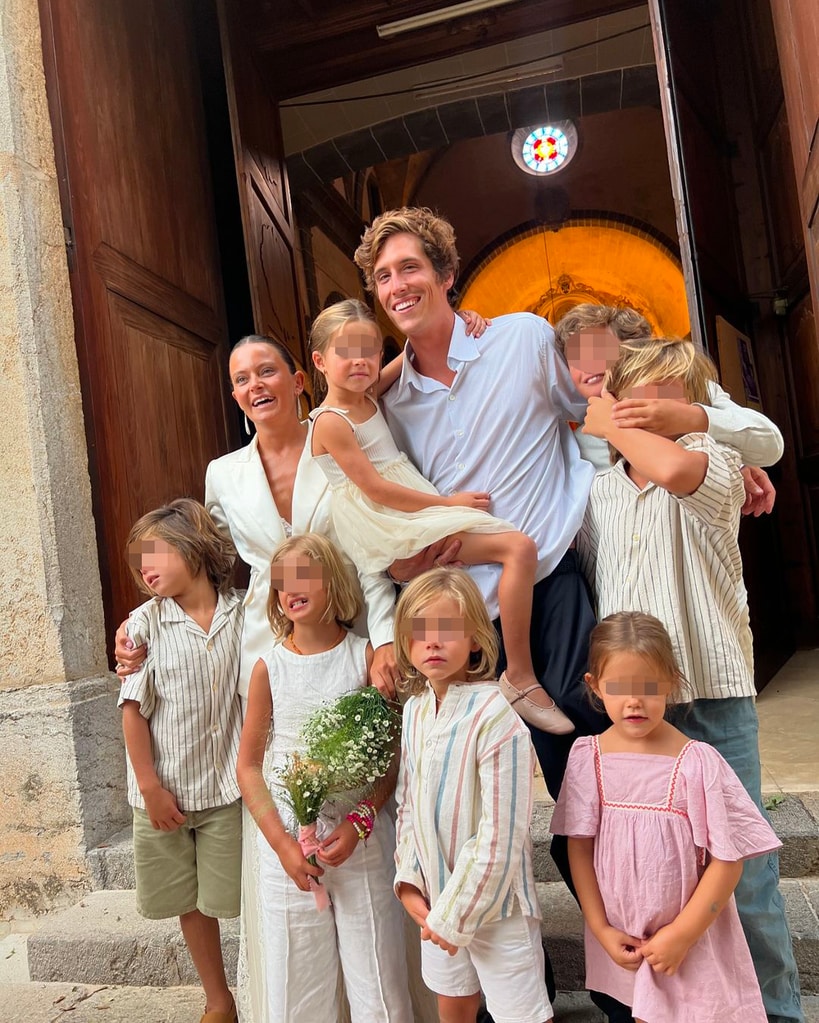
(317, 658)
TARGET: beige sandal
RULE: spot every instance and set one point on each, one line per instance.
(547, 719)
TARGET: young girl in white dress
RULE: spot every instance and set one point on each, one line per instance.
(658, 827)
(303, 951)
(383, 509)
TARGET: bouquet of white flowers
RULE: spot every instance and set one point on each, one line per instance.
(347, 744)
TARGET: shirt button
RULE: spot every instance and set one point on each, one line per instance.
(459, 433)
(215, 729)
(210, 645)
(215, 686)
(461, 465)
(636, 537)
(452, 397)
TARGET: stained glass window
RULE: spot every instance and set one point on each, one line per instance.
(545, 149)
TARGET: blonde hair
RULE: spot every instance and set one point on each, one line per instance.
(188, 527)
(435, 234)
(343, 602)
(460, 587)
(626, 324)
(659, 359)
(642, 634)
(327, 324)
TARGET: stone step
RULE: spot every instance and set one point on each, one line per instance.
(81, 1003)
(103, 940)
(795, 818)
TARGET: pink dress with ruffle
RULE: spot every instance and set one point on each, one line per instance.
(654, 818)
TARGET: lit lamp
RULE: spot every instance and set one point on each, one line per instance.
(396, 28)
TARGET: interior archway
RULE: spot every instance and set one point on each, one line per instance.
(591, 259)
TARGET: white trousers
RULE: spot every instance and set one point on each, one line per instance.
(360, 938)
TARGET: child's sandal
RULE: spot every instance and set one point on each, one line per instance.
(221, 1017)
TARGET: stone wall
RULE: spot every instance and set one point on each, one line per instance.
(61, 773)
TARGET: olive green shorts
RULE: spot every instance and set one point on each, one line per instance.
(198, 866)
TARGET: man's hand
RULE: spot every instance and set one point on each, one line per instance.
(598, 416)
(442, 552)
(665, 950)
(162, 809)
(623, 949)
(129, 658)
(760, 493)
(339, 846)
(384, 670)
(664, 416)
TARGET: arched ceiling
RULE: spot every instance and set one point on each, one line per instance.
(548, 272)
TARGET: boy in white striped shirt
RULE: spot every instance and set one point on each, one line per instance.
(660, 535)
(181, 716)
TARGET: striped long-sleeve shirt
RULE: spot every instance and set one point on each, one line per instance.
(465, 791)
(187, 690)
(677, 557)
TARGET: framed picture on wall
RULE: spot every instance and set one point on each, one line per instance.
(737, 365)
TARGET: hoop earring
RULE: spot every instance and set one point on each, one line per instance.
(248, 431)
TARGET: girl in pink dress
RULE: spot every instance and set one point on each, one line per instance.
(658, 828)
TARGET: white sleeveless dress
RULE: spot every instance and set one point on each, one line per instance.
(373, 535)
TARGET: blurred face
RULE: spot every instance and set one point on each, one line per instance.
(263, 386)
(634, 692)
(440, 643)
(407, 286)
(301, 583)
(590, 353)
(353, 357)
(162, 567)
(671, 390)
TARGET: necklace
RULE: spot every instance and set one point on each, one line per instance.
(340, 638)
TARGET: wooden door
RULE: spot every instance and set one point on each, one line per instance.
(126, 109)
(267, 214)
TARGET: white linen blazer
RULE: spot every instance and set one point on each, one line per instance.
(238, 497)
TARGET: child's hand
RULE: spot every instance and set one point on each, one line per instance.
(468, 499)
(665, 416)
(413, 901)
(339, 845)
(474, 323)
(665, 950)
(623, 948)
(598, 420)
(436, 939)
(292, 859)
(163, 813)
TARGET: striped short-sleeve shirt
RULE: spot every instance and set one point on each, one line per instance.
(187, 690)
(677, 558)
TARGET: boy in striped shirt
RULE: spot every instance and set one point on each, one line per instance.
(660, 535)
(181, 716)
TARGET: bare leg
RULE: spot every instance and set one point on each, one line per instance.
(517, 556)
(202, 937)
(462, 1009)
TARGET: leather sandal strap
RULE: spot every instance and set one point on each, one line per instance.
(526, 692)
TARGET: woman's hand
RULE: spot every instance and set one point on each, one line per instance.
(468, 499)
(384, 670)
(665, 950)
(339, 846)
(622, 948)
(293, 861)
(129, 658)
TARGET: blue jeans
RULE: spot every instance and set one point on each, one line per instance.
(732, 727)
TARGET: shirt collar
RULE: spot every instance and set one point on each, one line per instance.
(170, 611)
(462, 349)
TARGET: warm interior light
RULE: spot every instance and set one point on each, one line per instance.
(395, 28)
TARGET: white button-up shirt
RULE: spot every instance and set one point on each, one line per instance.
(502, 427)
(678, 559)
(187, 688)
